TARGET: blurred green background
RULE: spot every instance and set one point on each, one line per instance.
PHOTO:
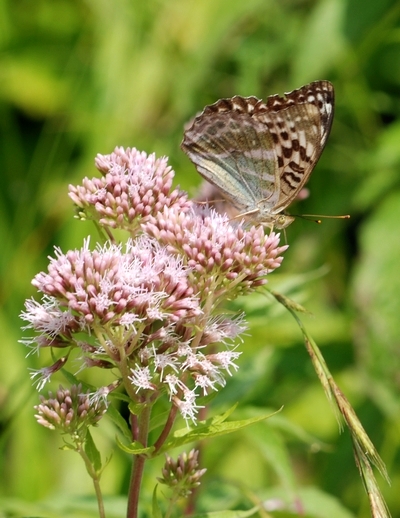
(81, 77)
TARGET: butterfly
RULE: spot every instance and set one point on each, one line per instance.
(260, 154)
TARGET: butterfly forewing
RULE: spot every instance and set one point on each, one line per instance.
(260, 154)
(232, 151)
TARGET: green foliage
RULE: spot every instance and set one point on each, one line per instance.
(92, 452)
(80, 78)
(214, 427)
(156, 511)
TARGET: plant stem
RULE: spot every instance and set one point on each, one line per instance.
(143, 422)
(167, 428)
(171, 506)
(95, 478)
(99, 496)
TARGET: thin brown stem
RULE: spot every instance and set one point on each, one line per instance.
(143, 422)
(167, 428)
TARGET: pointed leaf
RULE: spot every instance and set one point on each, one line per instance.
(156, 511)
(210, 428)
(92, 452)
(119, 421)
(134, 448)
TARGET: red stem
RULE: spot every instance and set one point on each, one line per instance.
(140, 425)
(167, 428)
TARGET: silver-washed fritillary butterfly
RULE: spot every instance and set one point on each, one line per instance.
(261, 153)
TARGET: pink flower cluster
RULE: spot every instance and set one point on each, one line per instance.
(133, 187)
(124, 287)
(150, 309)
(68, 410)
(222, 255)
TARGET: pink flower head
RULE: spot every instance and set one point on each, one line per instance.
(69, 410)
(122, 298)
(134, 186)
(223, 255)
(143, 284)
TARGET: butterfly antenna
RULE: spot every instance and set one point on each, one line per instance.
(310, 217)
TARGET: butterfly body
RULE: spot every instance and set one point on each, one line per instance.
(260, 154)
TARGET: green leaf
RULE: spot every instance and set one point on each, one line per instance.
(156, 511)
(135, 408)
(134, 448)
(120, 396)
(211, 428)
(92, 452)
(214, 420)
(119, 421)
(73, 380)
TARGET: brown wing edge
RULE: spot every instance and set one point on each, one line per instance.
(273, 102)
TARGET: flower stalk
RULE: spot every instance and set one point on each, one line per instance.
(138, 463)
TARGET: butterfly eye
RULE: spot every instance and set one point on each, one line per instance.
(283, 221)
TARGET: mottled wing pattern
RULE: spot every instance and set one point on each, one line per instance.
(233, 150)
(299, 124)
(260, 154)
